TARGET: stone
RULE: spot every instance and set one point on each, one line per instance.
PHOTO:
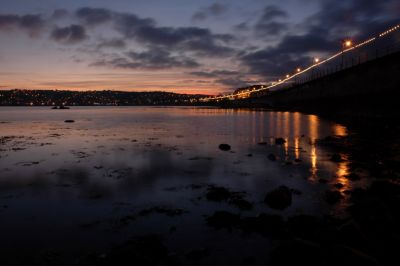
(280, 141)
(224, 147)
(279, 199)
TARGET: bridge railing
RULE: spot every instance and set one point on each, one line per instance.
(354, 58)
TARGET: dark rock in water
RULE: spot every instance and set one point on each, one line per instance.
(337, 158)
(333, 197)
(347, 192)
(297, 252)
(162, 210)
(69, 121)
(223, 219)
(249, 155)
(338, 185)
(224, 147)
(197, 254)
(353, 177)
(297, 160)
(264, 224)
(272, 157)
(262, 143)
(323, 181)
(218, 194)
(296, 191)
(242, 204)
(215, 193)
(280, 141)
(279, 199)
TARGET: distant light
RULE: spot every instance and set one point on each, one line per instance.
(287, 76)
(299, 69)
(280, 80)
(316, 60)
(348, 43)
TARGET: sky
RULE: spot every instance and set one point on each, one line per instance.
(184, 46)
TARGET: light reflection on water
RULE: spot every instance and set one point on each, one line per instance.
(132, 154)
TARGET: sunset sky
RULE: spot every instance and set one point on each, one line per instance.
(206, 47)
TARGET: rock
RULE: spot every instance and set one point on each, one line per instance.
(223, 219)
(218, 194)
(322, 181)
(224, 147)
(280, 141)
(69, 121)
(272, 157)
(337, 158)
(279, 199)
(338, 185)
(264, 224)
(162, 210)
(242, 204)
(296, 191)
(333, 197)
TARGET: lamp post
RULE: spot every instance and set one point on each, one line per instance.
(315, 61)
(345, 44)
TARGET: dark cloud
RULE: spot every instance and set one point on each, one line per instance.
(322, 33)
(69, 35)
(94, 16)
(59, 13)
(8, 20)
(112, 43)
(270, 24)
(190, 39)
(154, 58)
(234, 82)
(227, 78)
(214, 74)
(33, 24)
(242, 26)
(215, 10)
(129, 24)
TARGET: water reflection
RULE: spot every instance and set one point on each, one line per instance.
(342, 172)
(144, 156)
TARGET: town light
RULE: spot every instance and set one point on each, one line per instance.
(316, 60)
(347, 43)
(299, 69)
(287, 76)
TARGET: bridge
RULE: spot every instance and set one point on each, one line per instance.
(362, 76)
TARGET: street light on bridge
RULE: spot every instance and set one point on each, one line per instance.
(345, 45)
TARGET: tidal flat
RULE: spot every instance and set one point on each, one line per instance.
(193, 186)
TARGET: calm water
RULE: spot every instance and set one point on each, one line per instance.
(68, 187)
